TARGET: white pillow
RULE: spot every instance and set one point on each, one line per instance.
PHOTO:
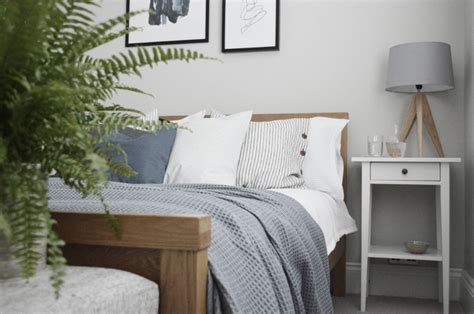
(193, 117)
(323, 166)
(209, 151)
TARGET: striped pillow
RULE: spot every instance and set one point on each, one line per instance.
(272, 155)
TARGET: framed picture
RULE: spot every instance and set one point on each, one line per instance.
(250, 25)
(168, 22)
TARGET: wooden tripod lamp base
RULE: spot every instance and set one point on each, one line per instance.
(419, 110)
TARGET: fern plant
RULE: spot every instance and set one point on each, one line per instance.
(55, 107)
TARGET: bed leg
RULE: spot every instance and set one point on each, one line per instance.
(183, 281)
(338, 278)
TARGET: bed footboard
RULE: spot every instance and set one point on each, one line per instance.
(169, 250)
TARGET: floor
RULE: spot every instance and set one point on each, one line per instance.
(378, 304)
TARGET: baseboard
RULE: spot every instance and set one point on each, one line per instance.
(466, 292)
(406, 281)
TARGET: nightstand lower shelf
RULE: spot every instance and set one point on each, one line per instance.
(380, 251)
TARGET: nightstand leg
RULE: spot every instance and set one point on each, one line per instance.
(445, 230)
(369, 242)
(444, 200)
(365, 234)
(439, 244)
(364, 274)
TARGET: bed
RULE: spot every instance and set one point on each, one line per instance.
(171, 250)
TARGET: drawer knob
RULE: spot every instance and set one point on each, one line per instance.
(404, 170)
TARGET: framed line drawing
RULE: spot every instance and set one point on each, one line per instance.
(250, 25)
(168, 22)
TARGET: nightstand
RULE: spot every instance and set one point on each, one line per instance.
(406, 171)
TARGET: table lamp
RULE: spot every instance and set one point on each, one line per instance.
(422, 67)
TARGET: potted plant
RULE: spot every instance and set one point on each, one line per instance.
(55, 107)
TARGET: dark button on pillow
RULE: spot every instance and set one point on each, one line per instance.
(304, 136)
(303, 152)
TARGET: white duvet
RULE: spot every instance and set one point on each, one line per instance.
(331, 215)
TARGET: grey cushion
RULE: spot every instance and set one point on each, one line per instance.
(86, 290)
(147, 153)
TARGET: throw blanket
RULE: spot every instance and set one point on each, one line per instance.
(267, 254)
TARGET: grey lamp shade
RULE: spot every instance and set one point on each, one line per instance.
(424, 63)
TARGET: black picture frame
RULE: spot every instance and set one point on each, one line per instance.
(169, 42)
(275, 47)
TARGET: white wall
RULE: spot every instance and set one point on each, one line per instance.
(332, 58)
(469, 127)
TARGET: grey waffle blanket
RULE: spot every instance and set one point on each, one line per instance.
(267, 254)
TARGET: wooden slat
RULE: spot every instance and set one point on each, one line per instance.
(143, 262)
(263, 117)
(139, 231)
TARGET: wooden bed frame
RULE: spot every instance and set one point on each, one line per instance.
(170, 250)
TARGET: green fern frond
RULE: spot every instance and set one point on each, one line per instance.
(25, 214)
(55, 257)
(118, 107)
(56, 112)
(122, 169)
(131, 89)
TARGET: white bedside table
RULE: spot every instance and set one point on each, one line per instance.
(406, 171)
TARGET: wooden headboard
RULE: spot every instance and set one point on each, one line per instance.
(283, 116)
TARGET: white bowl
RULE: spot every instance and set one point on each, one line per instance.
(417, 247)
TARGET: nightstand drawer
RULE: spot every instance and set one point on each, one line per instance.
(406, 171)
